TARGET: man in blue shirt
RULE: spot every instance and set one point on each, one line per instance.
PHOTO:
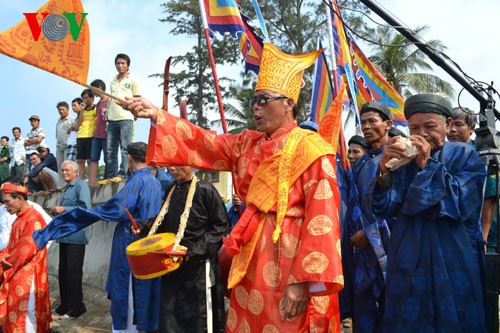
(72, 247)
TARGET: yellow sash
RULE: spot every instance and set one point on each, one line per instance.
(270, 185)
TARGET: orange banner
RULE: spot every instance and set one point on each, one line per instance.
(55, 38)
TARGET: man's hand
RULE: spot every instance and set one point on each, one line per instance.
(140, 107)
(423, 150)
(5, 263)
(294, 300)
(390, 151)
(57, 210)
(360, 240)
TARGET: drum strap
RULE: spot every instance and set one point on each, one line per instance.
(184, 216)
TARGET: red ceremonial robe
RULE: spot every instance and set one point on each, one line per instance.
(309, 246)
(29, 267)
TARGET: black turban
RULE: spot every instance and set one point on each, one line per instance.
(381, 109)
(137, 150)
(395, 132)
(359, 140)
(427, 103)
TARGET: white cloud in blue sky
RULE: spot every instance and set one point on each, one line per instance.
(470, 29)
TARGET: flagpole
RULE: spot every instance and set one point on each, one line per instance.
(217, 88)
(332, 47)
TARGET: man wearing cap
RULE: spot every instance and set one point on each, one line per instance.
(434, 272)
(43, 171)
(35, 137)
(135, 303)
(24, 290)
(357, 148)
(287, 267)
(370, 238)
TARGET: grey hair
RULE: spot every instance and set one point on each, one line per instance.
(74, 165)
(468, 115)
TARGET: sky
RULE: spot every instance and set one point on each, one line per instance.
(468, 28)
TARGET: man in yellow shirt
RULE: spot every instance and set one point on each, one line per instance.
(87, 120)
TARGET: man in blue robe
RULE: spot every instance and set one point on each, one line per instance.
(134, 302)
(369, 236)
(434, 273)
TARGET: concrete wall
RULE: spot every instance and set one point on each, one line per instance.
(98, 251)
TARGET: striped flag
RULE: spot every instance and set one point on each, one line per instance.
(251, 46)
(223, 16)
(323, 90)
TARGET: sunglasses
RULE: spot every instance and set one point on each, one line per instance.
(262, 100)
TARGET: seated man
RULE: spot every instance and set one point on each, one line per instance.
(40, 177)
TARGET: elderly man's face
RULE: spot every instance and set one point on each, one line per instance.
(12, 204)
(431, 126)
(459, 131)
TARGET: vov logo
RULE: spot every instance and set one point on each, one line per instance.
(55, 27)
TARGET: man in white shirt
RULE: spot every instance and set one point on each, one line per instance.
(17, 154)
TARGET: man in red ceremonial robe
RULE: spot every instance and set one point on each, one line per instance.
(287, 267)
(24, 293)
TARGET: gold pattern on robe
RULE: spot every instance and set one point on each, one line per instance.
(252, 268)
(221, 165)
(328, 168)
(294, 212)
(168, 147)
(209, 141)
(23, 306)
(290, 245)
(270, 329)
(12, 316)
(247, 144)
(323, 191)
(291, 280)
(160, 117)
(321, 303)
(320, 225)
(262, 243)
(19, 290)
(183, 131)
(271, 274)
(338, 246)
(255, 302)
(308, 185)
(232, 318)
(244, 327)
(194, 159)
(241, 296)
(243, 163)
(315, 263)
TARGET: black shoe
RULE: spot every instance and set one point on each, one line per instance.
(77, 313)
(61, 310)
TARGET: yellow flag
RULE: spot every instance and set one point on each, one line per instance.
(54, 38)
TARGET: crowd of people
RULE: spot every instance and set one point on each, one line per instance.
(398, 245)
(96, 129)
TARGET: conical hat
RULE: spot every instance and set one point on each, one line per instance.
(281, 72)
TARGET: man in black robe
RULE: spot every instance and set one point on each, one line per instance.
(192, 297)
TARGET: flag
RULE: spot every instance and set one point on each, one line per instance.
(66, 57)
(323, 90)
(331, 124)
(365, 82)
(223, 16)
(251, 46)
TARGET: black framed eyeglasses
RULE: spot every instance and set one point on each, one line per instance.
(262, 100)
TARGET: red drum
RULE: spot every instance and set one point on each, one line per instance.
(151, 256)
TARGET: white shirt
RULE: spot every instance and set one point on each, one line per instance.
(17, 151)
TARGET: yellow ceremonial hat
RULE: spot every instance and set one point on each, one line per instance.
(281, 72)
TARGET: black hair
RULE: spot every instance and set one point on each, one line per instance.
(78, 100)
(16, 128)
(88, 92)
(123, 56)
(62, 104)
(5, 137)
(98, 83)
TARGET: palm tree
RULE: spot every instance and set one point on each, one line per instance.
(401, 63)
